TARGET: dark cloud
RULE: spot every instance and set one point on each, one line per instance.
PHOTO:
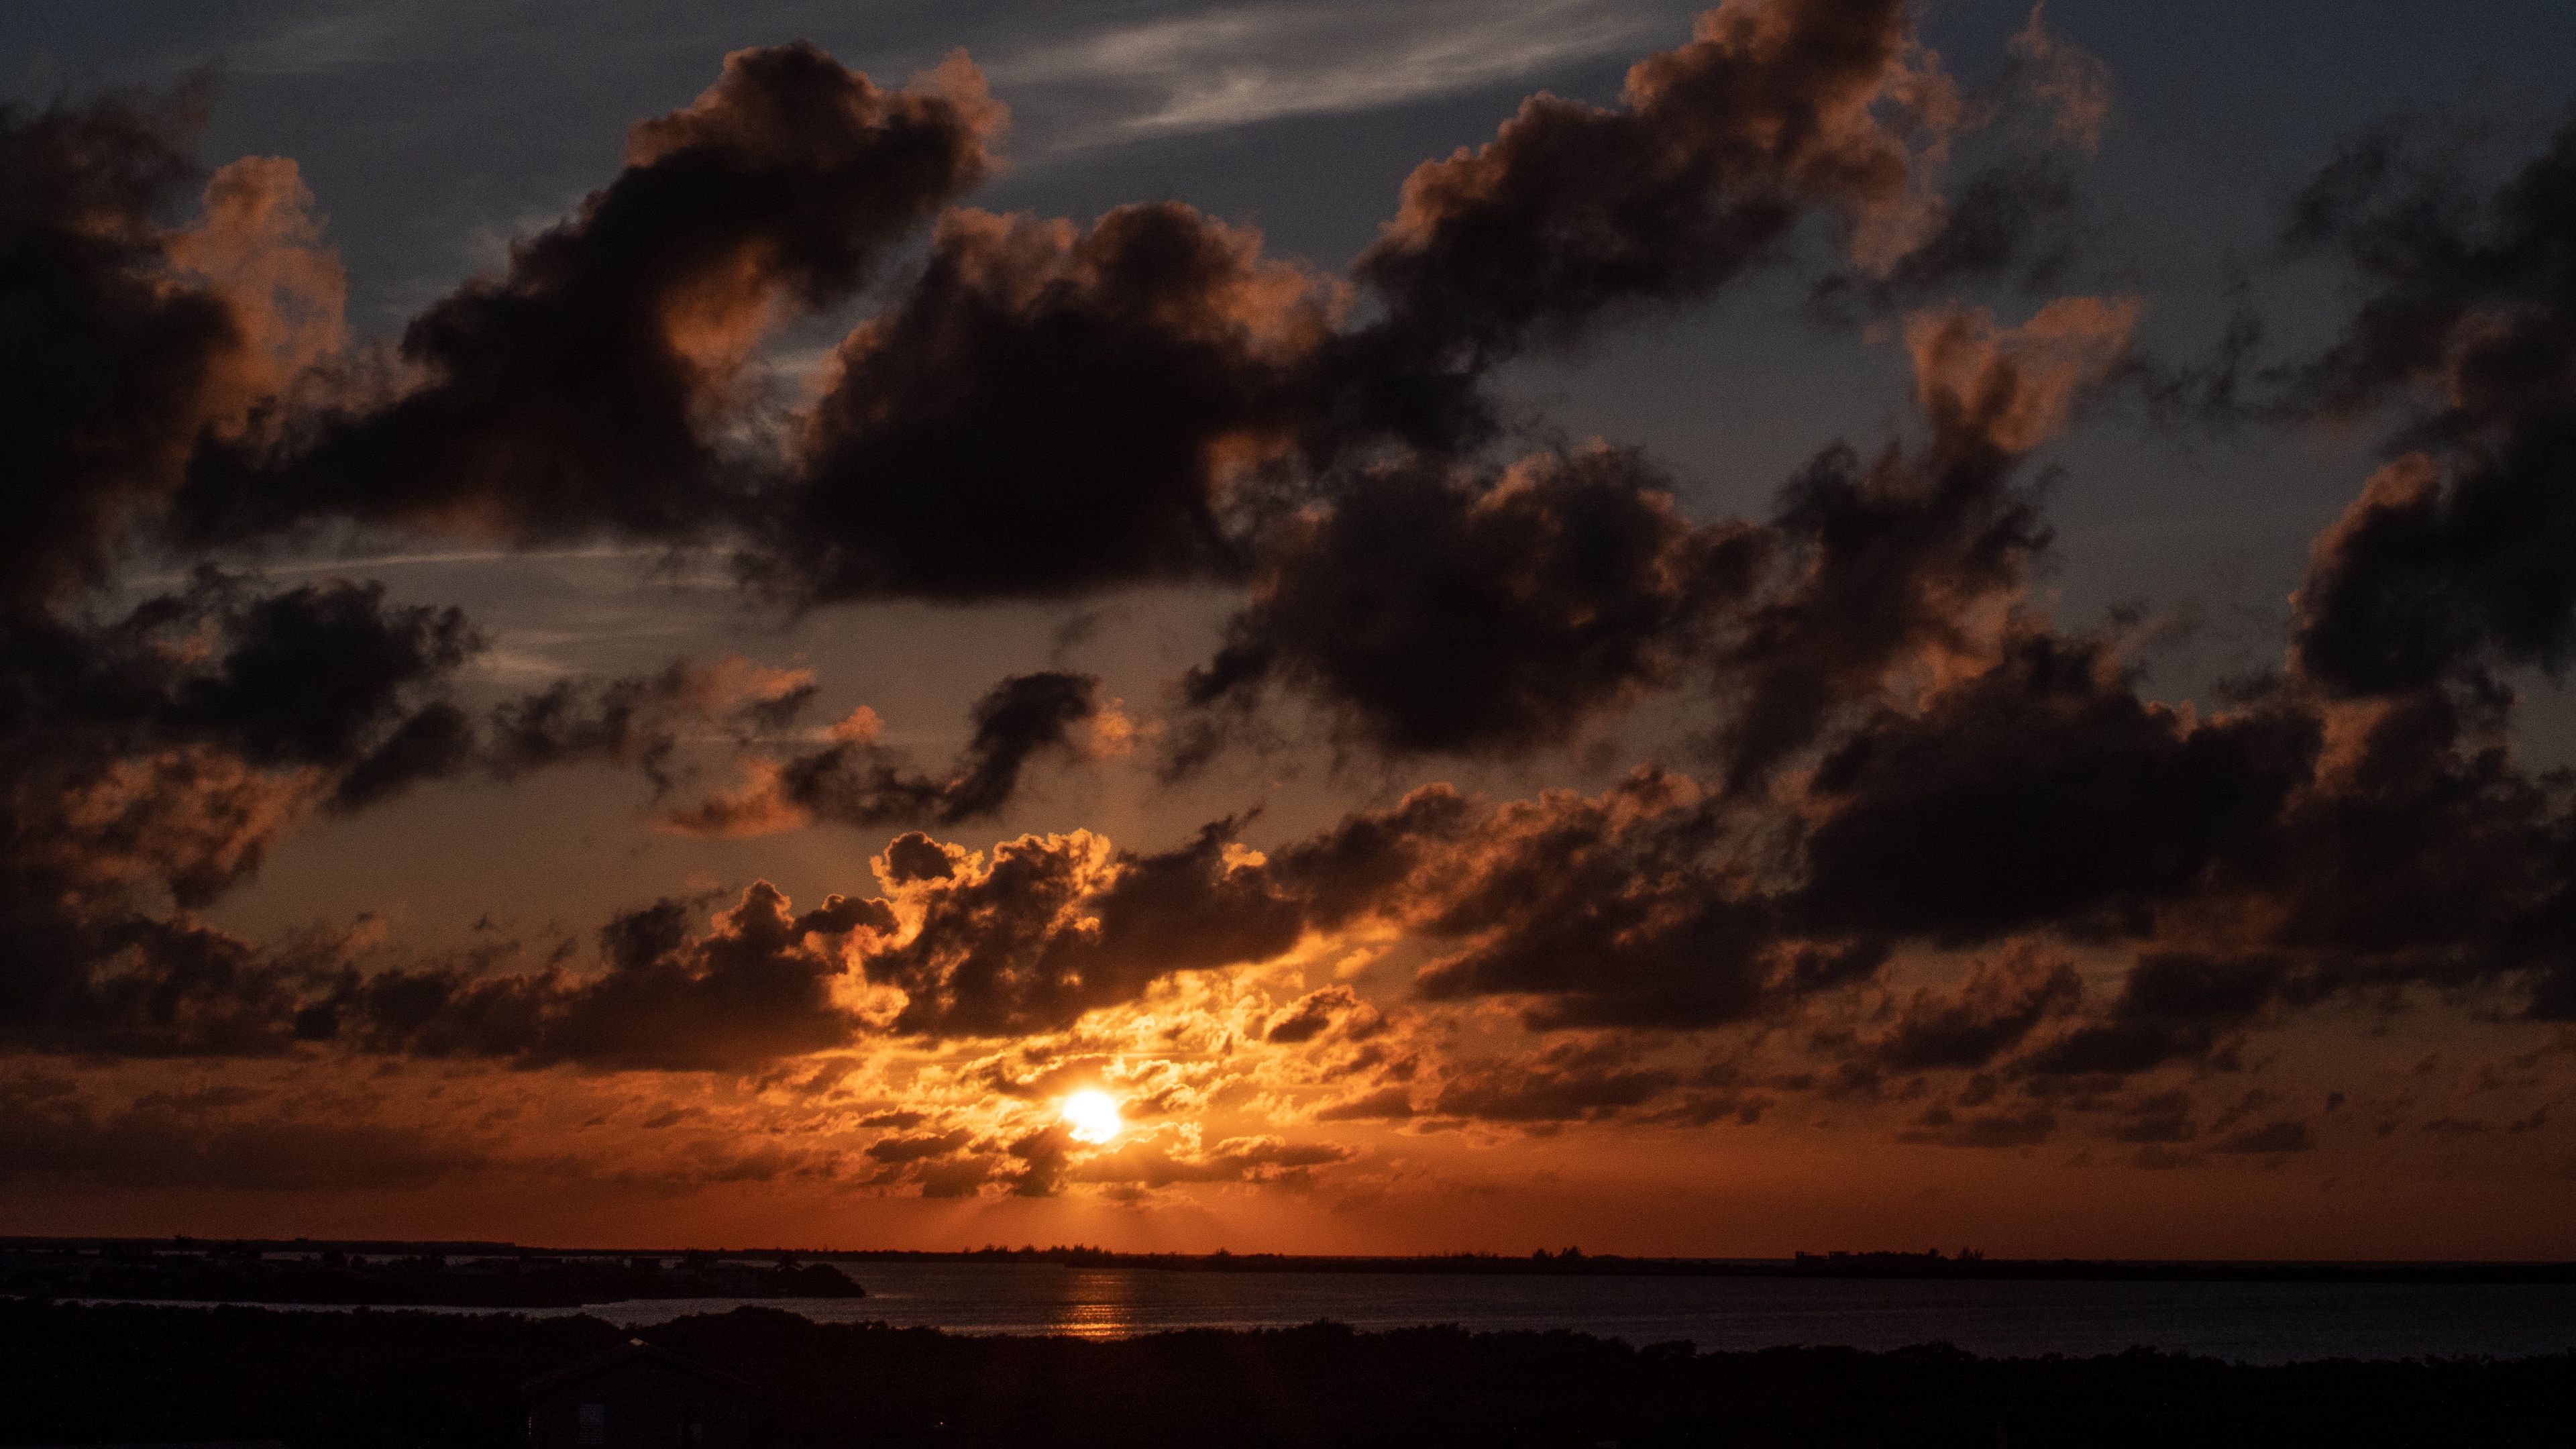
(2449, 562)
(1568, 1082)
(1989, 1012)
(1611, 911)
(919, 1147)
(1318, 1012)
(851, 780)
(589, 387)
(2171, 1005)
(1488, 611)
(1378, 1104)
(757, 985)
(1574, 212)
(1625, 909)
(2043, 792)
(1909, 560)
(1996, 1128)
(1566, 588)
(1043, 1156)
(116, 356)
(1434, 609)
(1049, 927)
(2161, 1119)
(267, 699)
(147, 1145)
(148, 761)
(2271, 1137)
(1274, 1161)
(2018, 220)
(639, 720)
(1049, 410)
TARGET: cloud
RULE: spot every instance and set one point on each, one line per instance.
(1099, 406)
(640, 719)
(1378, 1104)
(1991, 1009)
(1243, 65)
(758, 985)
(2071, 85)
(1574, 213)
(2447, 563)
(1470, 612)
(2161, 1119)
(1996, 1129)
(1046, 928)
(2043, 791)
(2170, 1005)
(1434, 609)
(1900, 748)
(1152, 1164)
(126, 339)
(1049, 409)
(585, 390)
(852, 781)
(2271, 1137)
(1319, 1012)
(1907, 561)
(148, 761)
(1565, 1083)
(158, 1146)
(919, 1147)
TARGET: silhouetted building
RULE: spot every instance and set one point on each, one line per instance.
(636, 1396)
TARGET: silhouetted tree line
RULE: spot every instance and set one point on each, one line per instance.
(135, 1373)
(222, 1274)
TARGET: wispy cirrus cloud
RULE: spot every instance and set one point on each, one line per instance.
(1240, 65)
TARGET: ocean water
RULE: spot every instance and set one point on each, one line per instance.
(2247, 1322)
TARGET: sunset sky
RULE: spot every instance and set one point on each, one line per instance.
(1819, 624)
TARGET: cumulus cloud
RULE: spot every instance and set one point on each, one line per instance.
(1720, 147)
(149, 760)
(2042, 792)
(1989, 1012)
(127, 339)
(1434, 609)
(2446, 565)
(1912, 561)
(587, 389)
(1049, 409)
(757, 985)
(1483, 611)
(1043, 928)
(1565, 1083)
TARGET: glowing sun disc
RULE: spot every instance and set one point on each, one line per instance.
(1093, 1115)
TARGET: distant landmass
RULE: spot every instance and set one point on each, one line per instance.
(510, 1275)
(1933, 1264)
(480, 1275)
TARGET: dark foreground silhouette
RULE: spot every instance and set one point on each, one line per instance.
(130, 1373)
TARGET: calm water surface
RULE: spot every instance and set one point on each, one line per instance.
(2252, 1322)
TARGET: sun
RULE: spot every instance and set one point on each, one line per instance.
(1093, 1115)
